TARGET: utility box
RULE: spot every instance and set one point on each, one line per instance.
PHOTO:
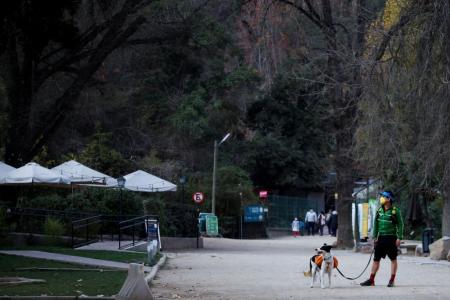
(202, 221)
(152, 228)
(212, 225)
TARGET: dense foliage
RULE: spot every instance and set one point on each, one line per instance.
(289, 149)
(305, 88)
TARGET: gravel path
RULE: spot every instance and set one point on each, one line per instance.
(272, 269)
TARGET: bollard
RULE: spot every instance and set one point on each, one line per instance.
(135, 286)
(152, 249)
(427, 239)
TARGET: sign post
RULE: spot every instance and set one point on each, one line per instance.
(198, 198)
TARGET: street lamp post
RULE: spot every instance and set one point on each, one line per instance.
(121, 185)
(216, 146)
(182, 181)
(240, 214)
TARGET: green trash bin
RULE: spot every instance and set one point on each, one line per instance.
(202, 221)
(212, 225)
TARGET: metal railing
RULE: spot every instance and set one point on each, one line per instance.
(90, 229)
(32, 220)
(134, 229)
(84, 228)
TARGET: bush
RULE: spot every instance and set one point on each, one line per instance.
(49, 200)
(94, 200)
(54, 229)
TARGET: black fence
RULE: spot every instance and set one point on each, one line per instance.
(86, 231)
(83, 228)
(32, 220)
(135, 230)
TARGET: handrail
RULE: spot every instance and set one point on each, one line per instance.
(85, 223)
(135, 221)
(78, 221)
(137, 218)
(85, 219)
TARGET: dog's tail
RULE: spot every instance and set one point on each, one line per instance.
(308, 274)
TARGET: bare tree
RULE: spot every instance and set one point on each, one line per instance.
(344, 27)
(404, 127)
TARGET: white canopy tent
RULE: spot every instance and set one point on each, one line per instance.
(34, 173)
(5, 169)
(141, 181)
(81, 174)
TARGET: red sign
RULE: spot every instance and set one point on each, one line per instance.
(263, 194)
(198, 197)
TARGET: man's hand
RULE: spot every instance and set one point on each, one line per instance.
(375, 241)
(397, 243)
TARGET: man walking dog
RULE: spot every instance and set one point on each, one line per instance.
(387, 233)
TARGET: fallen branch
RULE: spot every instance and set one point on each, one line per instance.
(19, 280)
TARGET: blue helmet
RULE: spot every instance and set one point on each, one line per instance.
(388, 194)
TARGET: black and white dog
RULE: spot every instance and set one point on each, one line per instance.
(322, 263)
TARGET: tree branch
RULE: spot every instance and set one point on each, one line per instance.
(130, 7)
(112, 40)
(378, 54)
(309, 15)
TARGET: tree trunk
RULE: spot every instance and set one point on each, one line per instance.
(19, 74)
(446, 213)
(345, 183)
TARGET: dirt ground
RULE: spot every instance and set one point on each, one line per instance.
(273, 269)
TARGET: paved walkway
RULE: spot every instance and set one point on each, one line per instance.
(71, 259)
(272, 269)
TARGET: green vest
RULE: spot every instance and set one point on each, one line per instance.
(388, 222)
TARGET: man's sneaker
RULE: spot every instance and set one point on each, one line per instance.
(390, 284)
(368, 282)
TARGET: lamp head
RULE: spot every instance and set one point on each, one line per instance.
(225, 138)
(121, 182)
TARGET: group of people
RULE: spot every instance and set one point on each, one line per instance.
(315, 223)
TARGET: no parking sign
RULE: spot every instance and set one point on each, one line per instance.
(198, 197)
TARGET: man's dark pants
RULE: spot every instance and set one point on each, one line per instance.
(311, 228)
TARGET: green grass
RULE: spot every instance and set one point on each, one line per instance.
(119, 256)
(61, 283)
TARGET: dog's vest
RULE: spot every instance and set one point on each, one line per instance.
(318, 261)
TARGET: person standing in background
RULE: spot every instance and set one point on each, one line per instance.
(295, 227)
(321, 222)
(310, 220)
(334, 222)
(328, 221)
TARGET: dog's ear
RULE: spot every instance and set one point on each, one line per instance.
(326, 248)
